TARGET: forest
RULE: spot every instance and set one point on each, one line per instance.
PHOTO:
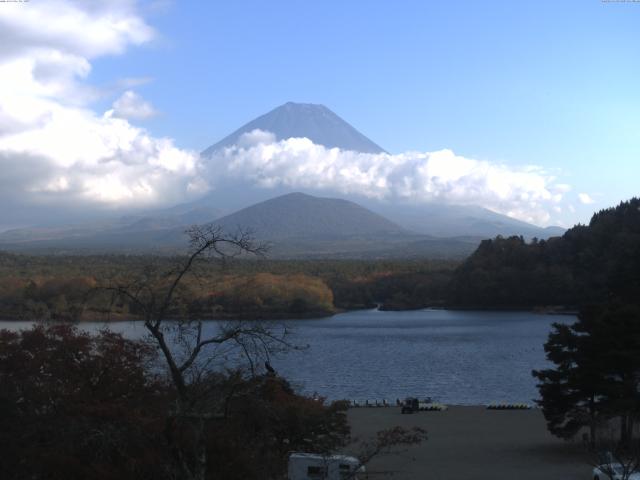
(593, 263)
(75, 288)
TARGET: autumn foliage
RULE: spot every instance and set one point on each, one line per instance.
(265, 421)
(63, 288)
(73, 405)
(77, 406)
(269, 295)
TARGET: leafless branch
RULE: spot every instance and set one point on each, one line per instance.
(155, 296)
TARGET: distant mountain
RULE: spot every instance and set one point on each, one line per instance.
(554, 231)
(303, 226)
(315, 122)
(26, 235)
(298, 215)
(154, 223)
(296, 225)
(175, 217)
(324, 127)
(442, 220)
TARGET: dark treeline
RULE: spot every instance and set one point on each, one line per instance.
(589, 264)
(68, 287)
(77, 406)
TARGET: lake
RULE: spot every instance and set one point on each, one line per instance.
(456, 357)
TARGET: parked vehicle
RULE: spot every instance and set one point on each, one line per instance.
(410, 405)
(313, 466)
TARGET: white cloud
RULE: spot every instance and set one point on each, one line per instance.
(132, 106)
(526, 193)
(53, 147)
(85, 29)
(585, 199)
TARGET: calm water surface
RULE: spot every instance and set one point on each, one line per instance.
(455, 357)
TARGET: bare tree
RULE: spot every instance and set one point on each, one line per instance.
(614, 459)
(188, 349)
(392, 441)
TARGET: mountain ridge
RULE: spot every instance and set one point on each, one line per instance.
(449, 220)
(296, 225)
(298, 214)
(313, 121)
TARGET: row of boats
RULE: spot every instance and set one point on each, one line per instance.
(413, 404)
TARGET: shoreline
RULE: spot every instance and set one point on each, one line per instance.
(472, 442)
(315, 315)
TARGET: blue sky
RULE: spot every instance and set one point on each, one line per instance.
(547, 83)
(551, 83)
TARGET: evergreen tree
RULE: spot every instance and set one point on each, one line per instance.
(597, 372)
(598, 262)
(570, 393)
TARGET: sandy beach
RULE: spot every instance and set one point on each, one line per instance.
(474, 443)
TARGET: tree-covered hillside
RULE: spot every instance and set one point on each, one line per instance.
(588, 264)
(60, 287)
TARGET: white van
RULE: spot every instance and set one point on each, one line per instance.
(313, 466)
